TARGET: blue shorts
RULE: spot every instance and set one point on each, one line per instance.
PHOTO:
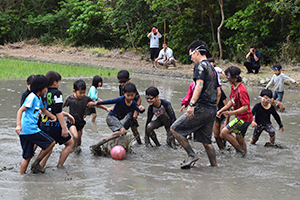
(55, 133)
(238, 126)
(201, 124)
(278, 95)
(113, 123)
(41, 139)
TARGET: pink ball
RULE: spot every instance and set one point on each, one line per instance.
(118, 152)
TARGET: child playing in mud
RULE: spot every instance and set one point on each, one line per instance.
(27, 92)
(262, 112)
(123, 105)
(164, 116)
(57, 130)
(240, 101)
(131, 118)
(78, 102)
(27, 128)
(93, 93)
(278, 81)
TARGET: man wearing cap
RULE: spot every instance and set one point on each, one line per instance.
(165, 57)
(154, 36)
(254, 63)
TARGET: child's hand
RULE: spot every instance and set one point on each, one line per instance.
(53, 119)
(71, 119)
(18, 129)
(253, 124)
(92, 104)
(297, 82)
(219, 114)
(282, 129)
(64, 132)
(182, 108)
(135, 115)
(142, 108)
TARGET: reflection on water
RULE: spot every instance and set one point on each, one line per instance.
(152, 173)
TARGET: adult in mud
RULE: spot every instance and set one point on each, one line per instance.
(201, 112)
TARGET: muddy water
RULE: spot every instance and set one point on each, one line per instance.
(151, 173)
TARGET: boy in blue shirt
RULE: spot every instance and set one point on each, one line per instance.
(123, 105)
(131, 118)
(27, 128)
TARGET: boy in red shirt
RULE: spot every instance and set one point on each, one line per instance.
(240, 101)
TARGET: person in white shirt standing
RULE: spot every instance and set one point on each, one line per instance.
(165, 57)
(154, 36)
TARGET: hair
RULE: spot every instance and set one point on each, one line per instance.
(129, 87)
(266, 92)
(79, 85)
(165, 43)
(211, 59)
(123, 74)
(278, 66)
(234, 72)
(96, 80)
(253, 46)
(29, 79)
(38, 83)
(53, 76)
(200, 46)
(152, 91)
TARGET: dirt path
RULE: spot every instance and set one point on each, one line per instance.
(117, 59)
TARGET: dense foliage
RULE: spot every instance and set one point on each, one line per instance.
(272, 25)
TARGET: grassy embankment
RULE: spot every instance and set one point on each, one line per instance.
(14, 68)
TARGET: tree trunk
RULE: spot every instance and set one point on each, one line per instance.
(219, 29)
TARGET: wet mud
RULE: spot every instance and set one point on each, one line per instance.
(152, 172)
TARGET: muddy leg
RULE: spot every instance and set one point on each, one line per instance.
(226, 134)
(210, 150)
(136, 134)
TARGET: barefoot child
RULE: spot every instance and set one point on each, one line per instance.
(278, 81)
(131, 118)
(240, 101)
(164, 116)
(123, 105)
(27, 128)
(77, 103)
(57, 130)
(262, 112)
(93, 93)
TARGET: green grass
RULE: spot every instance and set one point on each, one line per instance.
(14, 68)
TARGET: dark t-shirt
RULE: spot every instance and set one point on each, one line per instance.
(205, 71)
(262, 116)
(54, 104)
(77, 106)
(24, 95)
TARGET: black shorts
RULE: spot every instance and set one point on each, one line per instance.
(55, 133)
(79, 125)
(89, 111)
(154, 53)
